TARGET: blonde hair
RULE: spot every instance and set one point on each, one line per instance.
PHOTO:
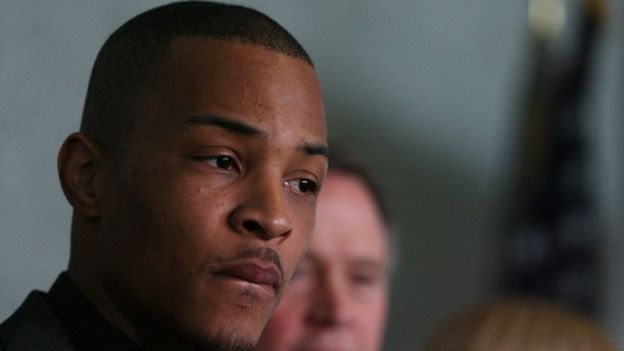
(520, 325)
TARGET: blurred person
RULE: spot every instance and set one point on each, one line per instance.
(338, 298)
(520, 325)
(193, 181)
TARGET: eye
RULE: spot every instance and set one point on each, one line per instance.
(363, 279)
(303, 185)
(366, 278)
(222, 162)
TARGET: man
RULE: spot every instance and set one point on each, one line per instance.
(337, 300)
(193, 181)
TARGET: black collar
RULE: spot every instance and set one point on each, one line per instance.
(86, 327)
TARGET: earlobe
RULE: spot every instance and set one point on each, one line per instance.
(77, 167)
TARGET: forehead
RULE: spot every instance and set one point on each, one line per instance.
(241, 81)
(348, 221)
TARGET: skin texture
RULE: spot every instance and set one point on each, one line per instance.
(217, 182)
(338, 299)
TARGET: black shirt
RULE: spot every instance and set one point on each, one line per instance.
(86, 327)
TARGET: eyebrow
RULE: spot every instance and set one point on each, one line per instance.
(316, 149)
(247, 129)
(225, 123)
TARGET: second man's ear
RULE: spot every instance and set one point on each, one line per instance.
(77, 166)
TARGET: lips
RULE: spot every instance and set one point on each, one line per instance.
(253, 273)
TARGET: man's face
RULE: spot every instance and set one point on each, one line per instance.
(205, 219)
(337, 300)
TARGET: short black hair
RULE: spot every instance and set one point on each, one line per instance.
(130, 60)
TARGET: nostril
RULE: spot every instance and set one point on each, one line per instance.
(253, 226)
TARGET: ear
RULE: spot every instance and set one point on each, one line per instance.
(77, 167)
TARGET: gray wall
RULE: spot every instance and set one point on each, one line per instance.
(425, 90)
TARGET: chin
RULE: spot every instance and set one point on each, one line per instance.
(226, 338)
(225, 341)
(231, 322)
(222, 329)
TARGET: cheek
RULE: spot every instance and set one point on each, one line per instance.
(175, 225)
(185, 207)
(294, 246)
(303, 211)
(292, 251)
(372, 320)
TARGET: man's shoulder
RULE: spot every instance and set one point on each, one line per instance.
(33, 326)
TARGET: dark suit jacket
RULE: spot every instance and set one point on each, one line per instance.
(34, 326)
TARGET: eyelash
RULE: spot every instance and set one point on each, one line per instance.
(310, 186)
(230, 161)
(302, 185)
(363, 279)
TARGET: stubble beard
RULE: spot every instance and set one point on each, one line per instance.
(223, 341)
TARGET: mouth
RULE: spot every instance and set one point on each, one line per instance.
(262, 275)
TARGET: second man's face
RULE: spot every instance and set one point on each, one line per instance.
(338, 299)
(207, 216)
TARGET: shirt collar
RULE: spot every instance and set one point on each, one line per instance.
(87, 328)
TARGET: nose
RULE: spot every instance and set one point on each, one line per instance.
(331, 305)
(262, 212)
